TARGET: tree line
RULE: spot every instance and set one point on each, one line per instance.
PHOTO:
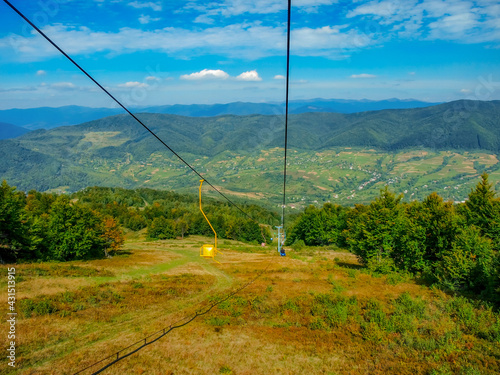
(88, 224)
(168, 215)
(43, 226)
(453, 245)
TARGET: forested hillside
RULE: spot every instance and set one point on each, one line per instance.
(11, 131)
(86, 225)
(241, 153)
(48, 117)
(453, 246)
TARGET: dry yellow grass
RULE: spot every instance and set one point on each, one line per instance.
(268, 328)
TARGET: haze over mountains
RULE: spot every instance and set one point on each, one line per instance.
(111, 151)
(48, 118)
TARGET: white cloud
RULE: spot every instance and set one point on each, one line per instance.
(153, 79)
(462, 21)
(228, 8)
(250, 41)
(465, 91)
(251, 75)
(41, 73)
(453, 27)
(329, 41)
(154, 6)
(363, 75)
(206, 74)
(133, 84)
(204, 19)
(279, 76)
(385, 8)
(145, 19)
(312, 3)
(63, 86)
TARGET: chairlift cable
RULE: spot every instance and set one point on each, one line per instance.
(207, 309)
(286, 108)
(122, 106)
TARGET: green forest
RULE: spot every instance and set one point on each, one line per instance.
(452, 246)
(89, 224)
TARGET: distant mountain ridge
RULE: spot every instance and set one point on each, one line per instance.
(79, 156)
(8, 131)
(48, 118)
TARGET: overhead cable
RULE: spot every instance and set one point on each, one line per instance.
(286, 110)
(122, 106)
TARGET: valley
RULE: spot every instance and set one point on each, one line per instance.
(342, 175)
(333, 157)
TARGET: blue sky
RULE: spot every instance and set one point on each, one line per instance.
(189, 51)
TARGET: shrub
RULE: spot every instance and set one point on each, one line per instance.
(370, 331)
(335, 310)
(382, 266)
(298, 245)
(469, 264)
(218, 321)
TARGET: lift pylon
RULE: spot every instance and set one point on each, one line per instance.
(281, 240)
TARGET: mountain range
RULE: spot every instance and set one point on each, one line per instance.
(111, 151)
(47, 117)
(11, 131)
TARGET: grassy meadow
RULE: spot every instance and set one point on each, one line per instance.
(315, 311)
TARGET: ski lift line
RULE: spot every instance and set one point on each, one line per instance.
(163, 332)
(192, 317)
(286, 109)
(122, 106)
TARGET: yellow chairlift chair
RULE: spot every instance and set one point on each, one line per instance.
(206, 250)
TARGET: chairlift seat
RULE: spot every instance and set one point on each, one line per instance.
(207, 251)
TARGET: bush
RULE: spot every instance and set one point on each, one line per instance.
(469, 264)
(381, 266)
(335, 310)
(298, 245)
(161, 229)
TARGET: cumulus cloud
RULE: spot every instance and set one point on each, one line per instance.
(154, 6)
(279, 76)
(133, 84)
(206, 74)
(363, 75)
(251, 75)
(41, 73)
(153, 79)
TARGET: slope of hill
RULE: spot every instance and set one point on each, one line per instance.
(315, 311)
(8, 131)
(47, 118)
(242, 152)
